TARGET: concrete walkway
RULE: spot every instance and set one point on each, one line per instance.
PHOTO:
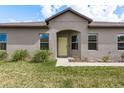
(65, 62)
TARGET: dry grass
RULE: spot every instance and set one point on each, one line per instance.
(37, 75)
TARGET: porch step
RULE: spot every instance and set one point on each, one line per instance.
(62, 61)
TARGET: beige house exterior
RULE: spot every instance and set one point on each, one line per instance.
(68, 33)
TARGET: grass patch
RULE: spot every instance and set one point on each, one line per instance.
(67, 83)
(37, 75)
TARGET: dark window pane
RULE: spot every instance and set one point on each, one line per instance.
(74, 42)
(75, 38)
(120, 46)
(92, 38)
(74, 45)
(44, 46)
(92, 41)
(121, 37)
(2, 46)
(92, 46)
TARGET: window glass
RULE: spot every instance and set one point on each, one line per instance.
(74, 41)
(44, 41)
(92, 46)
(121, 46)
(3, 41)
(3, 37)
(44, 46)
(92, 41)
(44, 37)
(75, 38)
(120, 41)
(92, 38)
(74, 45)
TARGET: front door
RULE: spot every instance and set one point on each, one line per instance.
(62, 46)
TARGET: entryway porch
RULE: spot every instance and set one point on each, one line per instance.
(68, 44)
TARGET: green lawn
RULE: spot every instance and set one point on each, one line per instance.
(25, 74)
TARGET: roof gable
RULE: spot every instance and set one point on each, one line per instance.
(71, 10)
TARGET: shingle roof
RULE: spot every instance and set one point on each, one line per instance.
(71, 10)
(106, 24)
(44, 24)
(25, 24)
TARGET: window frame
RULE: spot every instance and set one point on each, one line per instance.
(93, 42)
(119, 42)
(4, 42)
(76, 42)
(44, 42)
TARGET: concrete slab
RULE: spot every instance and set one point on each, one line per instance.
(65, 62)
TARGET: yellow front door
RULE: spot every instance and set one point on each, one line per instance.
(62, 46)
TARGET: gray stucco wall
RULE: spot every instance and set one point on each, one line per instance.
(68, 21)
(107, 43)
(28, 38)
(107, 37)
(22, 38)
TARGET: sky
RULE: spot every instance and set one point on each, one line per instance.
(32, 13)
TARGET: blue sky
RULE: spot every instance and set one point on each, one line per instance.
(119, 10)
(24, 13)
(20, 13)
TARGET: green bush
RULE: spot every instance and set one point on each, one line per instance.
(20, 55)
(122, 56)
(3, 55)
(41, 56)
(105, 58)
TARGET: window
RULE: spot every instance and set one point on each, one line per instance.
(74, 42)
(92, 41)
(121, 42)
(3, 41)
(44, 41)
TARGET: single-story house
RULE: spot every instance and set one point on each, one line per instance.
(66, 34)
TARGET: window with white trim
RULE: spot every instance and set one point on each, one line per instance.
(92, 41)
(74, 42)
(120, 41)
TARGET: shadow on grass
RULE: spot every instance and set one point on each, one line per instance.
(47, 63)
(67, 83)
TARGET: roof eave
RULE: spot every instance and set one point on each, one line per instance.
(95, 26)
(14, 26)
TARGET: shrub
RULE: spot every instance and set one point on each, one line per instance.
(122, 56)
(105, 58)
(41, 56)
(20, 55)
(3, 55)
